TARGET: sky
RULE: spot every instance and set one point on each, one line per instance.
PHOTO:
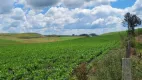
(65, 17)
(123, 3)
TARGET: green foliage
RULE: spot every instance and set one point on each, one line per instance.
(51, 60)
(136, 68)
(109, 67)
(5, 42)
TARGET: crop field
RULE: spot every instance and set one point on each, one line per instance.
(52, 61)
(70, 39)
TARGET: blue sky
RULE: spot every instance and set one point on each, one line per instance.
(65, 16)
(123, 3)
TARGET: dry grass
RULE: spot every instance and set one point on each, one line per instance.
(32, 40)
(139, 39)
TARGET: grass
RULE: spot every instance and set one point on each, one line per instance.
(137, 63)
(5, 42)
(69, 38)
(50, 61)
(57, 60)
(109, 66)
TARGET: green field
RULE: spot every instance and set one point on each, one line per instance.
(51, 61)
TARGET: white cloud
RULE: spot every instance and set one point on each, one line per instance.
(39, 4)
(60, 16)
(6, 6)
(98, 21)
(137, 8)
(85, 3)
(73, 3)
(109, 22)
(18, 14)
(92, 3)
(54, 19)
(107, 10)
(97, 17)
(113, 20)
(85, 16)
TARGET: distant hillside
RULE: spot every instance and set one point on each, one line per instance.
(21, 35)
(137, 32)
(32, 38)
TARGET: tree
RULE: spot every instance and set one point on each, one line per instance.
(87, 35)
(93, 34)
(131, 21)
(73, 34)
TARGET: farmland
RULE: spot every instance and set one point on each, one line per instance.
(50, 61)
(32, 38)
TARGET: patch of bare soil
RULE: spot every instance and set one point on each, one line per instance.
(139, 39)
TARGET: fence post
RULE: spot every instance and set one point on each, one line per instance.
(128, 49)
(126, 69)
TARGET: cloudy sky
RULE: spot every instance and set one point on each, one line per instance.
(65, 16)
